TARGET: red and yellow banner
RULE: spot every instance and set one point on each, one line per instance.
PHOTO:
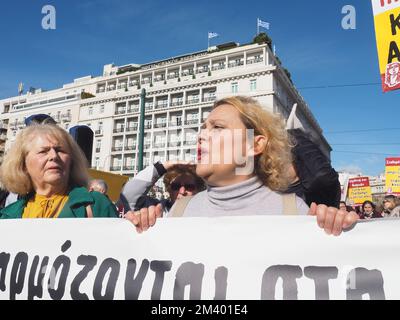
(392, 174)
(359, 190)
(387, 30)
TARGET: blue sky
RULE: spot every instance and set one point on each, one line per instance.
(308, 36)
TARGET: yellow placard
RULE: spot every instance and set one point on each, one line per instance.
(115, 182)
(387, 31)
(359, 190)
(392, 174)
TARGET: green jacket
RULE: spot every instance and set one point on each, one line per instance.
(78, 199)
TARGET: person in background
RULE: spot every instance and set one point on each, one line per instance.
(48, 171)
(240, 129)
(368, 211)
(98, 185)
(314, 179)
(343, 205)
(180, 180)
(391, 206)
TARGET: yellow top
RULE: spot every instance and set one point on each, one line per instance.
(43, 207)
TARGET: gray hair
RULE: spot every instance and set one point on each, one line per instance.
(98, 185)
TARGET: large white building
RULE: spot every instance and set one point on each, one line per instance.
(180, 92)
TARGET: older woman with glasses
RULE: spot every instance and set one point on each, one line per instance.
(180, 180)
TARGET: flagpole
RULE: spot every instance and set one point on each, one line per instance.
(208, 41)
(258, 28)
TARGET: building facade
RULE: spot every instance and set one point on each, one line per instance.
(180, 92)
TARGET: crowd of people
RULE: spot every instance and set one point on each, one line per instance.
(388, 208)
(247, 164)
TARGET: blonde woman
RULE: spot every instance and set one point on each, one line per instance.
(244, 157)
(47, 169)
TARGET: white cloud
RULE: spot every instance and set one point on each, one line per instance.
(351, 168)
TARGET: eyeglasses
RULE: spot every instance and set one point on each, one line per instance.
(188, 186)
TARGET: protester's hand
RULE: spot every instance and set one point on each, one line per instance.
(170, 164)
(331, 219)
(144, 218)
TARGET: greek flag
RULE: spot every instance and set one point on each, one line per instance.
(212, 35)
(262, 24)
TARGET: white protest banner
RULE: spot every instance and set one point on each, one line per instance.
(229, 258)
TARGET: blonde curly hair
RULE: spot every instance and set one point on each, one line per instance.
(13, 173)
(272, 165)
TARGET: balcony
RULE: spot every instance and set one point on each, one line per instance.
(161, 106)
(160, 125)
(148, 125)
(130, 147)
(3, 126)
(120, 111)
(192, 122)
(119, 130)
(235, 64)
(174, 144)
(132, 128)
(132, 110)
(66, 117)
(116, 149)
(173, 75)
(190, 142)
(202, 70)
(177, 123)
(148, 107)
(133, 83)
(122, 85)
(159, 145)
(98, 132)
(191, 101)
(146, 81)
(129, 168)
(101, 90)
(176, 103)
(111, 88)
(187, 73)
(219, 67)
(159, 79)
(117, 168)
(147, 145)
(255, 60)
(209, 98)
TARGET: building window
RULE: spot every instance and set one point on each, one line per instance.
(66, 126)
(234, 87)
(102, 108)
(90, 111)
(100, 126)
(98, 145)
(253, 85)
(97, 162)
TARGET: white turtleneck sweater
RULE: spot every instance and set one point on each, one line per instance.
(250, 197)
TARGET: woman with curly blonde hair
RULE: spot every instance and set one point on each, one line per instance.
(244, 155)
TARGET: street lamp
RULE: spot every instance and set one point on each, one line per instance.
(141, 129)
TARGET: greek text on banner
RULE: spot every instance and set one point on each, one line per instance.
(254, 257)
